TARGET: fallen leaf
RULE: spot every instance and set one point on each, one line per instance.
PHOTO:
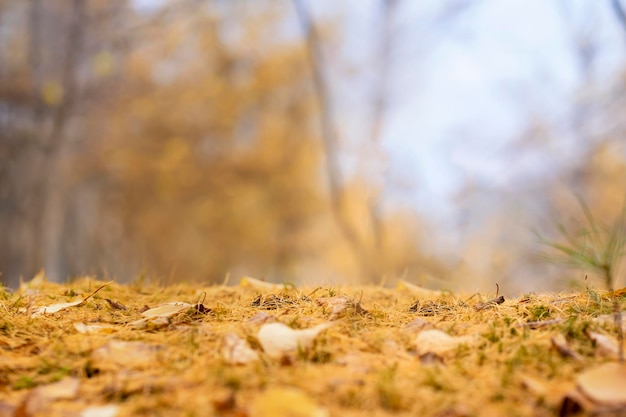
(101, 411)
(421, 292)
(166, 310)
(152, 323)
(274, 301)
(438, 342)
(285, 402)
(159, 316)
(39, 398)
(54, 308)
(417, 324)
(94, 328)
(605, 384)
(257, 283)
(339, 305)
(236, 351)
(260, 318)
(120, 354)
(279, 340)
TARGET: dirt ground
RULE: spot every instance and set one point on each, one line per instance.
(90, 348)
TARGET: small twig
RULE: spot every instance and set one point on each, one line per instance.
(93, 293)
(497, 290)
(619, 12)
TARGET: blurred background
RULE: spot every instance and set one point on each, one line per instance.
(314, 142)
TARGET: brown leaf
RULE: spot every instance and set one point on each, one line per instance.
(260, 318)
(438, 342)
(120, 354)
(605, 384)
(417, 324)
(339, 305)
(39, 398)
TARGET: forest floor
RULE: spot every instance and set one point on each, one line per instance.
(95, 349)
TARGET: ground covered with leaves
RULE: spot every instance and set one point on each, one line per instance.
(94, 349)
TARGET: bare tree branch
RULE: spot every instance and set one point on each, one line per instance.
(54, 205)
(619, 12)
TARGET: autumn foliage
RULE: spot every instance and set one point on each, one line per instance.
(183, 142)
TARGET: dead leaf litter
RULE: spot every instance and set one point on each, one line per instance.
(89, 348)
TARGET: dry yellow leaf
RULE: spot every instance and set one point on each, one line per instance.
(166, 310)
(54, 308)
(38, 399)
(101, 411)
(605, 384)
(438, 342)
(120, 354)
(94, 328)
(285, 402)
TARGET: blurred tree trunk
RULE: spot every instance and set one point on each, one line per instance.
(54, 195)
(369, 254)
